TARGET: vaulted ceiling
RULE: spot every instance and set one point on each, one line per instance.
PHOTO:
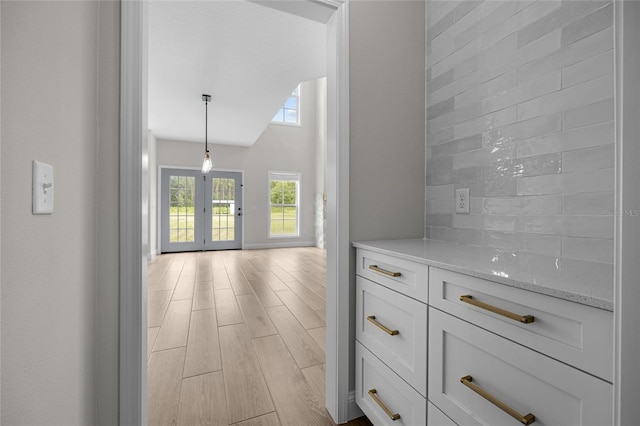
(248, 57)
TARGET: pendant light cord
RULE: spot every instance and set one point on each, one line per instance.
(206, 123)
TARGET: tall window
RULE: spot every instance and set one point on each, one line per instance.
(290, 111)
(284, 199)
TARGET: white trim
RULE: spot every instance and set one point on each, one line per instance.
(338, 294)
(132, 386)
(152, 254)
(353, 409)
(166, 166)
(627, 227)
(286, 177)
(133, 316)
(256, 246)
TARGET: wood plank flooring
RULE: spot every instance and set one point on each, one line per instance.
(237, 338)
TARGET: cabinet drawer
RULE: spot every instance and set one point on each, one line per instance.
(435, 417)
(579, 335)
(405, 349)
(526, 381)
(390, 390)
(401, 275)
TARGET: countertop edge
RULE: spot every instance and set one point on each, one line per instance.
(582, 299)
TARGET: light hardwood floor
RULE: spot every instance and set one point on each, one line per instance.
(237, 338)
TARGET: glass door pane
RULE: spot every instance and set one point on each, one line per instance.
(181, 210)
(223, 221)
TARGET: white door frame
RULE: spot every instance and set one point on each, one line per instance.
(133, 110)
(627, 208)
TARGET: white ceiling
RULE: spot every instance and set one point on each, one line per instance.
(246, 56)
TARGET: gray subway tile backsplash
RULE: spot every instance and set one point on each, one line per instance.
(592, 23)
(601, 157)
(581, 137)
(562, 17)
(520, 111)
(581, 50)
(591, 203)
(586, 115)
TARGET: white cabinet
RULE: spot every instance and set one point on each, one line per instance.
(437, 417)
(442, 348)
(394, 327)
(404, 276)
(576, 334)
(391, 339)
(479, 378)
(383, 396)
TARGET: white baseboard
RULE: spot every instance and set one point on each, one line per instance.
(279, 245)
(151, 255)
(354, 410)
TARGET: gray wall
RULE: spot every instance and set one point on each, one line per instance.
(107, 221)
(386, 96)
(283, 148)
(386, 113)
(520, 110)
(59, 272)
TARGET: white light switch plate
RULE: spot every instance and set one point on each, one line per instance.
(462, 200)
(42, 188)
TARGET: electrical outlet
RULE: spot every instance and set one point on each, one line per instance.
(462, 200)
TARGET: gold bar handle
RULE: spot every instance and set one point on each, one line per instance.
(372, 320)
(525, 319)
(393, 416)
(384, 271)
(527, 419)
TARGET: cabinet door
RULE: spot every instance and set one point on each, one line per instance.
(463, 356)
(579, 335)
(384, 397)
(394, 327)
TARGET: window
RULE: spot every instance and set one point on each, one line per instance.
(284, 200)
(290, 111)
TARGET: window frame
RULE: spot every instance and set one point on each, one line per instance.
(284, 176)
(295, 93)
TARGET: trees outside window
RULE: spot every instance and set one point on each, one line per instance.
(284, 199)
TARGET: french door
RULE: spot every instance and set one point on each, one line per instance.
(200, 212)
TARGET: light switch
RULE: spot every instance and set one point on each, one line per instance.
(42, 188)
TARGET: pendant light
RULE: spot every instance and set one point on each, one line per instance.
(207, 165)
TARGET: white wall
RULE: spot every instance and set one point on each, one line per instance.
(284, 148)
(52, 76)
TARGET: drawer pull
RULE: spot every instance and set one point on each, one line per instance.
(525, 319)
(384, 271)
(527, 419)
(393, 416)
(372, 320)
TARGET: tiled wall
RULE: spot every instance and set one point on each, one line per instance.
(520, 110)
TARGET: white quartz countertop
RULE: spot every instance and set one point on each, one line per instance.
(505, 267)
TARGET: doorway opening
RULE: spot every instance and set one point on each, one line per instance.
(133, 259)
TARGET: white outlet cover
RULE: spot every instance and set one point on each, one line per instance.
(462, 200)
(42, 188)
